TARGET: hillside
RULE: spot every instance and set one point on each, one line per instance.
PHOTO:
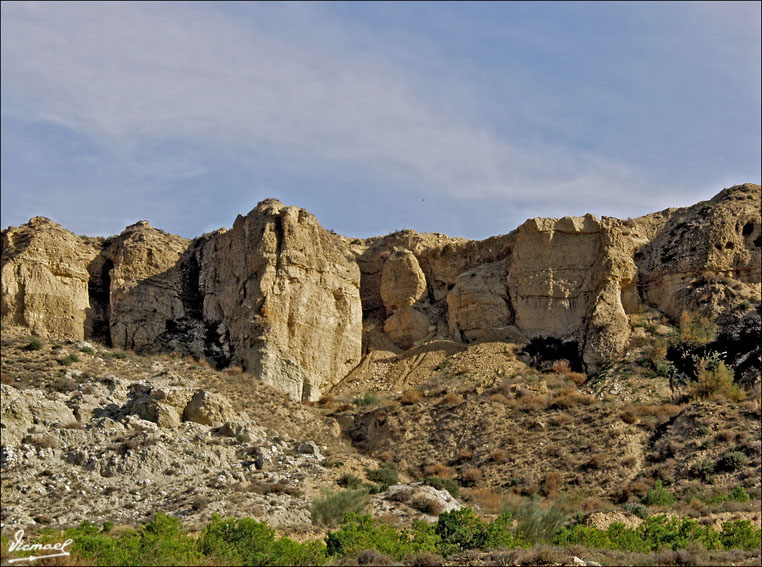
(609, 367)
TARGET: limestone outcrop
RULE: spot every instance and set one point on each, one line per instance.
(45, 278)
(288, 297)
(295, 305)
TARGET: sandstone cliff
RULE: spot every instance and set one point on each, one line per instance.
(296, 305)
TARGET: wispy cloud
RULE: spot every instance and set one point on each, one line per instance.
(289, 83)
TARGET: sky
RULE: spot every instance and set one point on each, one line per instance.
(460, 118)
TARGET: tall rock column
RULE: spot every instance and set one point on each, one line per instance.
(287, 294)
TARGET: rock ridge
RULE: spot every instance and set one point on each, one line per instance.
(298, 306)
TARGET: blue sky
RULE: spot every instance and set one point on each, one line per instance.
(462, 118)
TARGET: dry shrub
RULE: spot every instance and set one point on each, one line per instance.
(577, 377)
(372, 557)
(464, 455)
(596, 461)
(561, 367)
(470, 476)
(569, 399)
(629, 415)
(498, 456)
(402, 495)
(499, 398)
(560, 419)
(715, 381)
(74, 425)
(427, 504)
(424, 559)
(234, 370)
(411, 397)
(44, 441)
(490, 500)
(532, 403)
(451, 399)
(552, 482)
(726, 435)
(440, 470)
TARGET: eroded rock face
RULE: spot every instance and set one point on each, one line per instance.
(45, 278)
(287, 296)
(146, 286)
(287, 300)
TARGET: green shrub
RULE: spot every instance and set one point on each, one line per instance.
(34, 343)
(115, 354)
(87, 350)
(714, 378)
(636, 509)
(367, 399)
(245, 541)
(535, 523)
(704, 470)
(332, 507)
(68, 360)
(659, 496)
(386, 475)
(444, 484)
(741, 533)
(162, 541)
(358, 533)
(738, 494)
(350, 481)
(731, 461)
(460, 530)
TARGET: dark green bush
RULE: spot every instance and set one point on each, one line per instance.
(460, 530)
(87, 350)
(704, 470)
(386, 475)
(731, 461)
(637, 509)
(68, 360)
(34, 344)
(350, 481)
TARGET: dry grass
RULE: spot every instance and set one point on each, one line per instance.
(552, 482)
(498, 456)
(451, 399)
(440, 470)
(489, 500)
(411, 397)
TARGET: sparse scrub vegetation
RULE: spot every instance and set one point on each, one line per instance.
(332, 507)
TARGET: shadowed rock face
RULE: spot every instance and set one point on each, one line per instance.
(294, 304)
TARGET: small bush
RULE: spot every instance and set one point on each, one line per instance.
(444, 484)
(704, 470)
(34, 344)
(739, 494)
(118, 354)
(534, 523)
(65, 385)
(714, 379)
(350, 481)
(411, 397)
(331, 508)
(87, 350)
(696, 330)
(386, 475)
(636, 509)
(659, 496)
(552, 482)
(68, 360)
(731, 461)
(44, 441)
(367, 399)
(470, 476)
(498, 456)
(440, 470)
(427, 504)
(451, 399)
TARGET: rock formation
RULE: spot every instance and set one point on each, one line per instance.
(294, 304)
